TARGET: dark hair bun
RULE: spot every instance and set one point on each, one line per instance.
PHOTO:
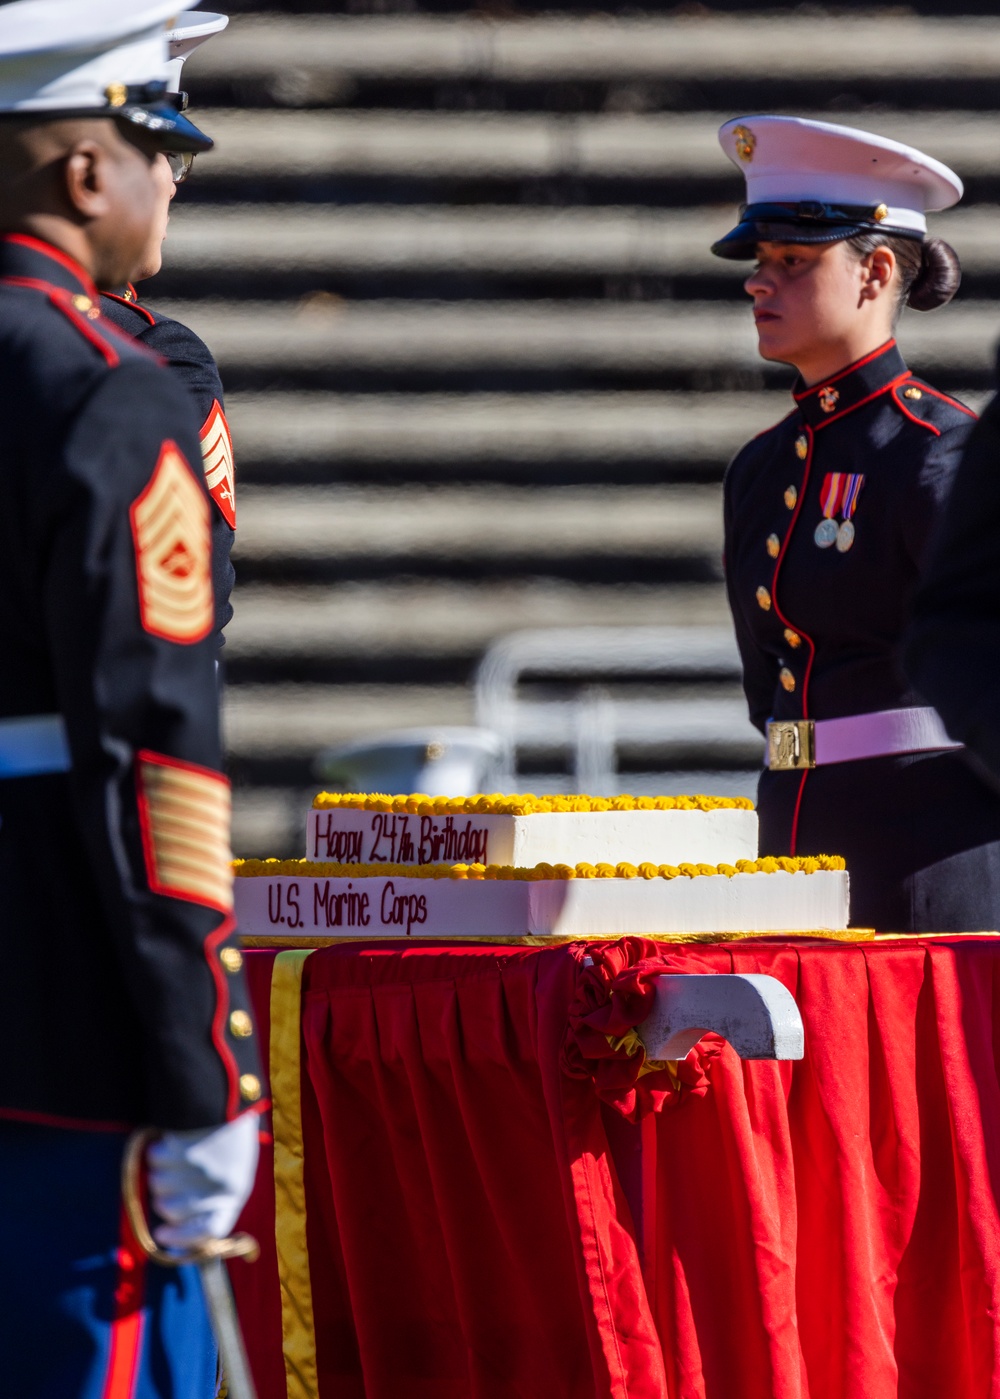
(939, 276)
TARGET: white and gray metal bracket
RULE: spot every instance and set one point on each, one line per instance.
(756, 1014)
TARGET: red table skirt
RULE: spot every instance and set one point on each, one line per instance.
(479, 1224)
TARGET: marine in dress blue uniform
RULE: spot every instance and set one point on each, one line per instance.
(193, 363)
(122, 997)
(953, 643)
(188, 355)
(830, 518)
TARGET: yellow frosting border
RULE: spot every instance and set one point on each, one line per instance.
(526, 804)
(311, 869)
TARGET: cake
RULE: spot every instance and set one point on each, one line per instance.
(525, 830)
(288, 897)
(535, 867)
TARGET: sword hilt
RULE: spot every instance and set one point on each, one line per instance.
(236, 1246)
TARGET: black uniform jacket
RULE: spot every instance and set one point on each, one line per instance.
(820, 633)
(190, 358)
(122, 998)
(953, 645)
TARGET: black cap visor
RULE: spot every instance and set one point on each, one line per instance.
(808, 222)
(155, 110)
(172, 128)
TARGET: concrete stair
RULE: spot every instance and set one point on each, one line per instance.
(553, 48)
(483, 371)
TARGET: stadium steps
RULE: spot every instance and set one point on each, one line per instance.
(483, 371)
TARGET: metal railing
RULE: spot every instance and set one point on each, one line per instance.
(594, 724)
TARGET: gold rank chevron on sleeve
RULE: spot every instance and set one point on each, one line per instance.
(171, 533)
(184, 811)
(217, 458)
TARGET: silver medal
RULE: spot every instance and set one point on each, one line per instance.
(845, 536)
(826, 533)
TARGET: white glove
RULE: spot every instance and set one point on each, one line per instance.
(199, 1181)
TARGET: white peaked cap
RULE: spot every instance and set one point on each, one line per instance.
(63, 55)
(860, 182)
(187, 32)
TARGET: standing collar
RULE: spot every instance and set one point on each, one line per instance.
(850, 387)
(21, 255)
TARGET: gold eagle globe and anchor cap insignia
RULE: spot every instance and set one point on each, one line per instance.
(746, 143)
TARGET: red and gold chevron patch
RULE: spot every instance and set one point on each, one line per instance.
(173, 552)
(220, 467)
(185, 811)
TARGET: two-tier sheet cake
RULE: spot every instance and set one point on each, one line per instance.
(516, 866)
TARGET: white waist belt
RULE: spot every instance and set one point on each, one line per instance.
(806, 743)
(34, 744)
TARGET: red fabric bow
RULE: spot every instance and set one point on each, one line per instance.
(614, 993)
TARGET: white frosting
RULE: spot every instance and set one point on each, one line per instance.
(378, 906)
(718, 837)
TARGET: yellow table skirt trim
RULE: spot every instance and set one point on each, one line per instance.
(937, 937)
(331, 940)
(298, 1329)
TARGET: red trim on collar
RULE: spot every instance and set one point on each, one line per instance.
(132, 305)
(37, 245)
(848, 369)
(893, 384)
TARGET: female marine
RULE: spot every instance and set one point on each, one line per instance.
(828, 520)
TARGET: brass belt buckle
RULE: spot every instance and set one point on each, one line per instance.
(791, 744)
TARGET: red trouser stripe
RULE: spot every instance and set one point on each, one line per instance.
(127, 1326)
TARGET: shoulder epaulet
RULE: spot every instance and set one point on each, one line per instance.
(84, 315)
(912, 397)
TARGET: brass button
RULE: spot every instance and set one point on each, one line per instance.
(913, 393)
(241, 1025)
(791, 496)
(763, 599)
(231, 958)
(880, 212)
(250, 1087)
(83, 303)
(773, 546)
(793, 638)
(802, 446)
(787, 679)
